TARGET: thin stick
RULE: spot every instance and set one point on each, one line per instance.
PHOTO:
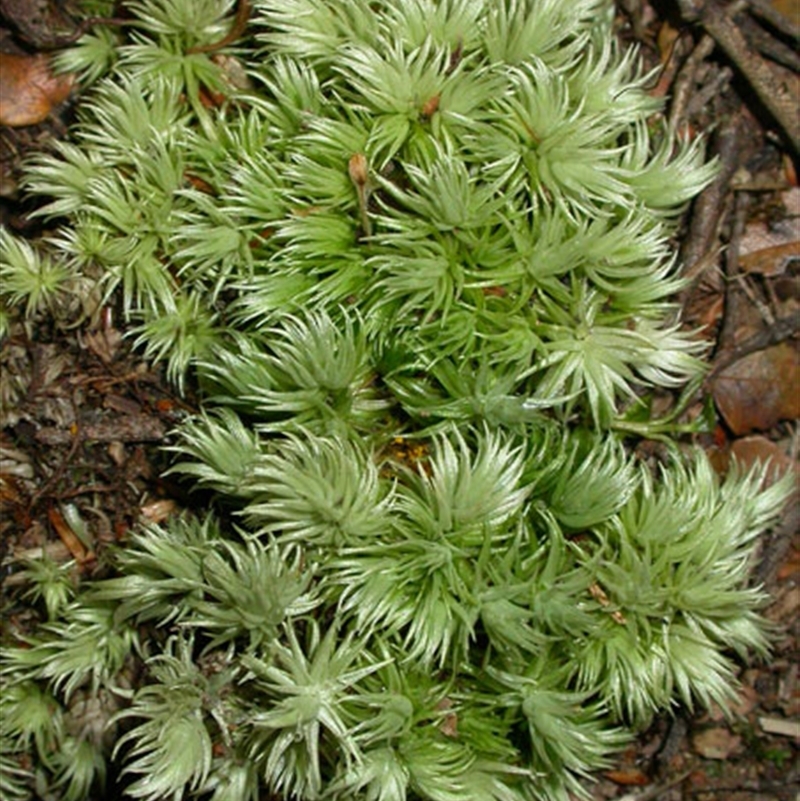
(765, 80)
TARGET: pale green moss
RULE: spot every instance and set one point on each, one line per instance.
(418, 267)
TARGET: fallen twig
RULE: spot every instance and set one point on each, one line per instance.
(733, 298)
(684, 82)
(768, 45)
(766, 10)
(124, 428)
(764, 79)
(700, 246)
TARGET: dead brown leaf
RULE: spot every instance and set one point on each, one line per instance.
(68, 536)
(668, 34)
(759, 390)
(30, 90)
(449, 724)
(767, 248)
(770, 261)
(785, 604)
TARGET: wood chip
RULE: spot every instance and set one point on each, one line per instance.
(786, 728)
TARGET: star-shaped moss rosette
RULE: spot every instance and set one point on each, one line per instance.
(418, 265)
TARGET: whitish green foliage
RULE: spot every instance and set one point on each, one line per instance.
(312, 637)
(509, 210)
(65, 737)
(50, 582)
(15, 780)
(85, 647)
(318, 492)
(308, 372)
(415, 257)
(171, 747)
(189, 573)
(179, 335)
(305, 695)
(27, 278)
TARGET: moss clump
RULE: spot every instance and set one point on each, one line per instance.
(415, 255)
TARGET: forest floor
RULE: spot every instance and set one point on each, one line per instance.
(82, 447)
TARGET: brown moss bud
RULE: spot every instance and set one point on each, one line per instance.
(358, 170)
